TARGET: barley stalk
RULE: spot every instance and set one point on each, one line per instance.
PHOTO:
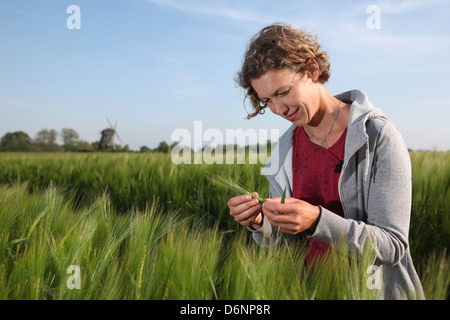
(226, 182)
(141, 271)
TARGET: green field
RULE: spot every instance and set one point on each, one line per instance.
(139, 227)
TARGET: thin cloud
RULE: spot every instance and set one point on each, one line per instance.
(228, 13)
(399, 36)
(400, 7)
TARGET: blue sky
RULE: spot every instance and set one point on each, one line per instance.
(158, 66)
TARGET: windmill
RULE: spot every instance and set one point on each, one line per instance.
(107, 140)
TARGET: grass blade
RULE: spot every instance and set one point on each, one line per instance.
(283, 198)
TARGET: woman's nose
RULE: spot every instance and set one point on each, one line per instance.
(279, 108)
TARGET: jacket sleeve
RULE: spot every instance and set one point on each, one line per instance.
(386, 203)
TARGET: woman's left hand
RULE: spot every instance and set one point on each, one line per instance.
(291, 217)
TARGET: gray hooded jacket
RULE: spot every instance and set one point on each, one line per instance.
(375, 191)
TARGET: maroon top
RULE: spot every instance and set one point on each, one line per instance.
(316, 172)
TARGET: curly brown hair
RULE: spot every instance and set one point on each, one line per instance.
(275, 47)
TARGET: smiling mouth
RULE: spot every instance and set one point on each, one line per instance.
(292, 116)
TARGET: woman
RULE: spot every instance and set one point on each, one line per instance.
(345, 166)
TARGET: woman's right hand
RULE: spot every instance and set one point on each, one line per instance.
(246, 211)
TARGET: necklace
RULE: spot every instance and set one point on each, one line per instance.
(322, 141)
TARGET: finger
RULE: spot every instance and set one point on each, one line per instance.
(286, 200)
(292, 200)
(281, 222)
(285, 208)
(233, 202)
(275, 217)
(249, 216)
(242, 207)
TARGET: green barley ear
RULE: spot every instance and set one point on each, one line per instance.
(283, 198)
(226, 182)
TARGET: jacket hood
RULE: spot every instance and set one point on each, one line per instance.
(361, 111)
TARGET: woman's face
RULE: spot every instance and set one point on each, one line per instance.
(293, 96)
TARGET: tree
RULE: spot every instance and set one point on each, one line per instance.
(15, 141)
(173, 145)
(46, 140)
(145, 149)
(95, 145)
(162, 147)
(119, 148)
(70, 139)
(83, 146)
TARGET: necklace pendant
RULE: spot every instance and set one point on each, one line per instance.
(323, 144)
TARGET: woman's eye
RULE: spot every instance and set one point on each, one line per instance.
(284, 93)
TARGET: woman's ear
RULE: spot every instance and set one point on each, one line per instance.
(312, 68)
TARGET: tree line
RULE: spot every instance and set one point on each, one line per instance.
(46, 141)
